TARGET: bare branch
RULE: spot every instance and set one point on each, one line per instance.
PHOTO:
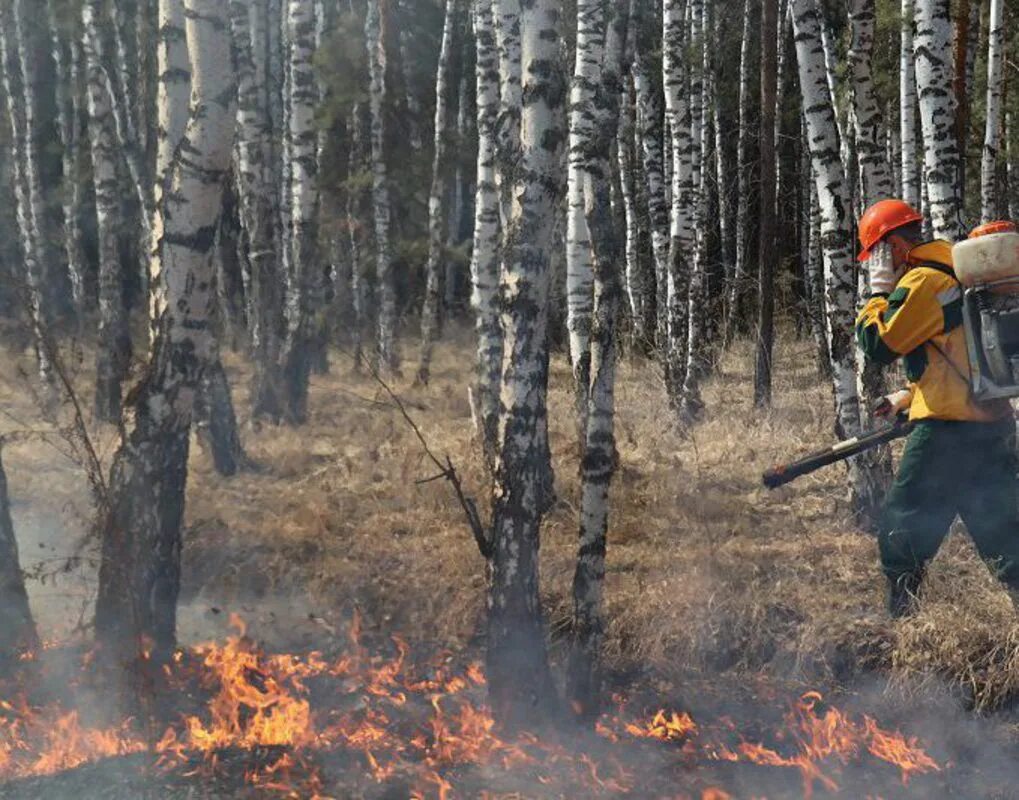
(446, 468)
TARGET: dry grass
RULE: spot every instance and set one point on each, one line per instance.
(706, 569)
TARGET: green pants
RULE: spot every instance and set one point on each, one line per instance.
(949, 468)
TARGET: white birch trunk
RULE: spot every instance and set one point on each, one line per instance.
(113, 351)
(413, 104)
(303, 207)
(932, 48)
(507, 30)
(907, 109)
(121, 109)
(609, 23)
(894, 149)
(650, 134)
(875, 183)
(639, 294)
(139, 577)
(992, 129)
(518, 673)
(20, 80)
(681, 233)
(17, 628)
(256, 196)
(579, 256)
(66, 96)
(835, 209)
(815, 276)
(722, 168)
(485, 257)
(697, 320)
(1011, 170)
(173, 89)
(737, 290)
(875, 169)
(355, 228)
(432, 310)
(386, 352)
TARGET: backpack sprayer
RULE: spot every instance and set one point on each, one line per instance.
(987, 266)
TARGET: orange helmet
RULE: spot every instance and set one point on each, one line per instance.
(881, 219)
(998, 226)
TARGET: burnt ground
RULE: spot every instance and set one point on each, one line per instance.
(712, 581)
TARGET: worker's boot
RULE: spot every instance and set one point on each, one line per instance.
(903, 594)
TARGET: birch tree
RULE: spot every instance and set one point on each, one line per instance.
(932, 47)
(640, 287)
(599, 102)
(257, 196)
(651, 136)
(697, 301)
(485, 257)
(737, 290)
(507, 32)
(678, 115)
(766, 232)
(302, 145)
(875, 169)
(579, 256)
(875, 183)
(113, 350)
(381, 212)
(430, 315)
(1011, 170)
(17, 628)
(907, 109)
(992, 128)
(518, 673)
(139, 577)
(835, 210)
(20, 89)
(173, 89)
(66, 95)
(355, 237)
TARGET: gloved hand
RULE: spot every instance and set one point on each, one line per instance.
(881, 269)
(892, 404)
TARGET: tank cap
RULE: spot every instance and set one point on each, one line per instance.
(999, 226)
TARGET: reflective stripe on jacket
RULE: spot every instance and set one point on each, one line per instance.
(921, 322)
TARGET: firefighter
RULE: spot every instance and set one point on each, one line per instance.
(960, 457)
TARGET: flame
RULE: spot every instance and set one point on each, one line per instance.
(830, 736)
(287, 710)
(665, 725)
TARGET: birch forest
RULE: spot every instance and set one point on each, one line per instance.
(385, 387)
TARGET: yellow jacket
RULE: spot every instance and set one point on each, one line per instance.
(921, 321)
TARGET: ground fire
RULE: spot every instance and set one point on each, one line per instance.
(398, 721)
